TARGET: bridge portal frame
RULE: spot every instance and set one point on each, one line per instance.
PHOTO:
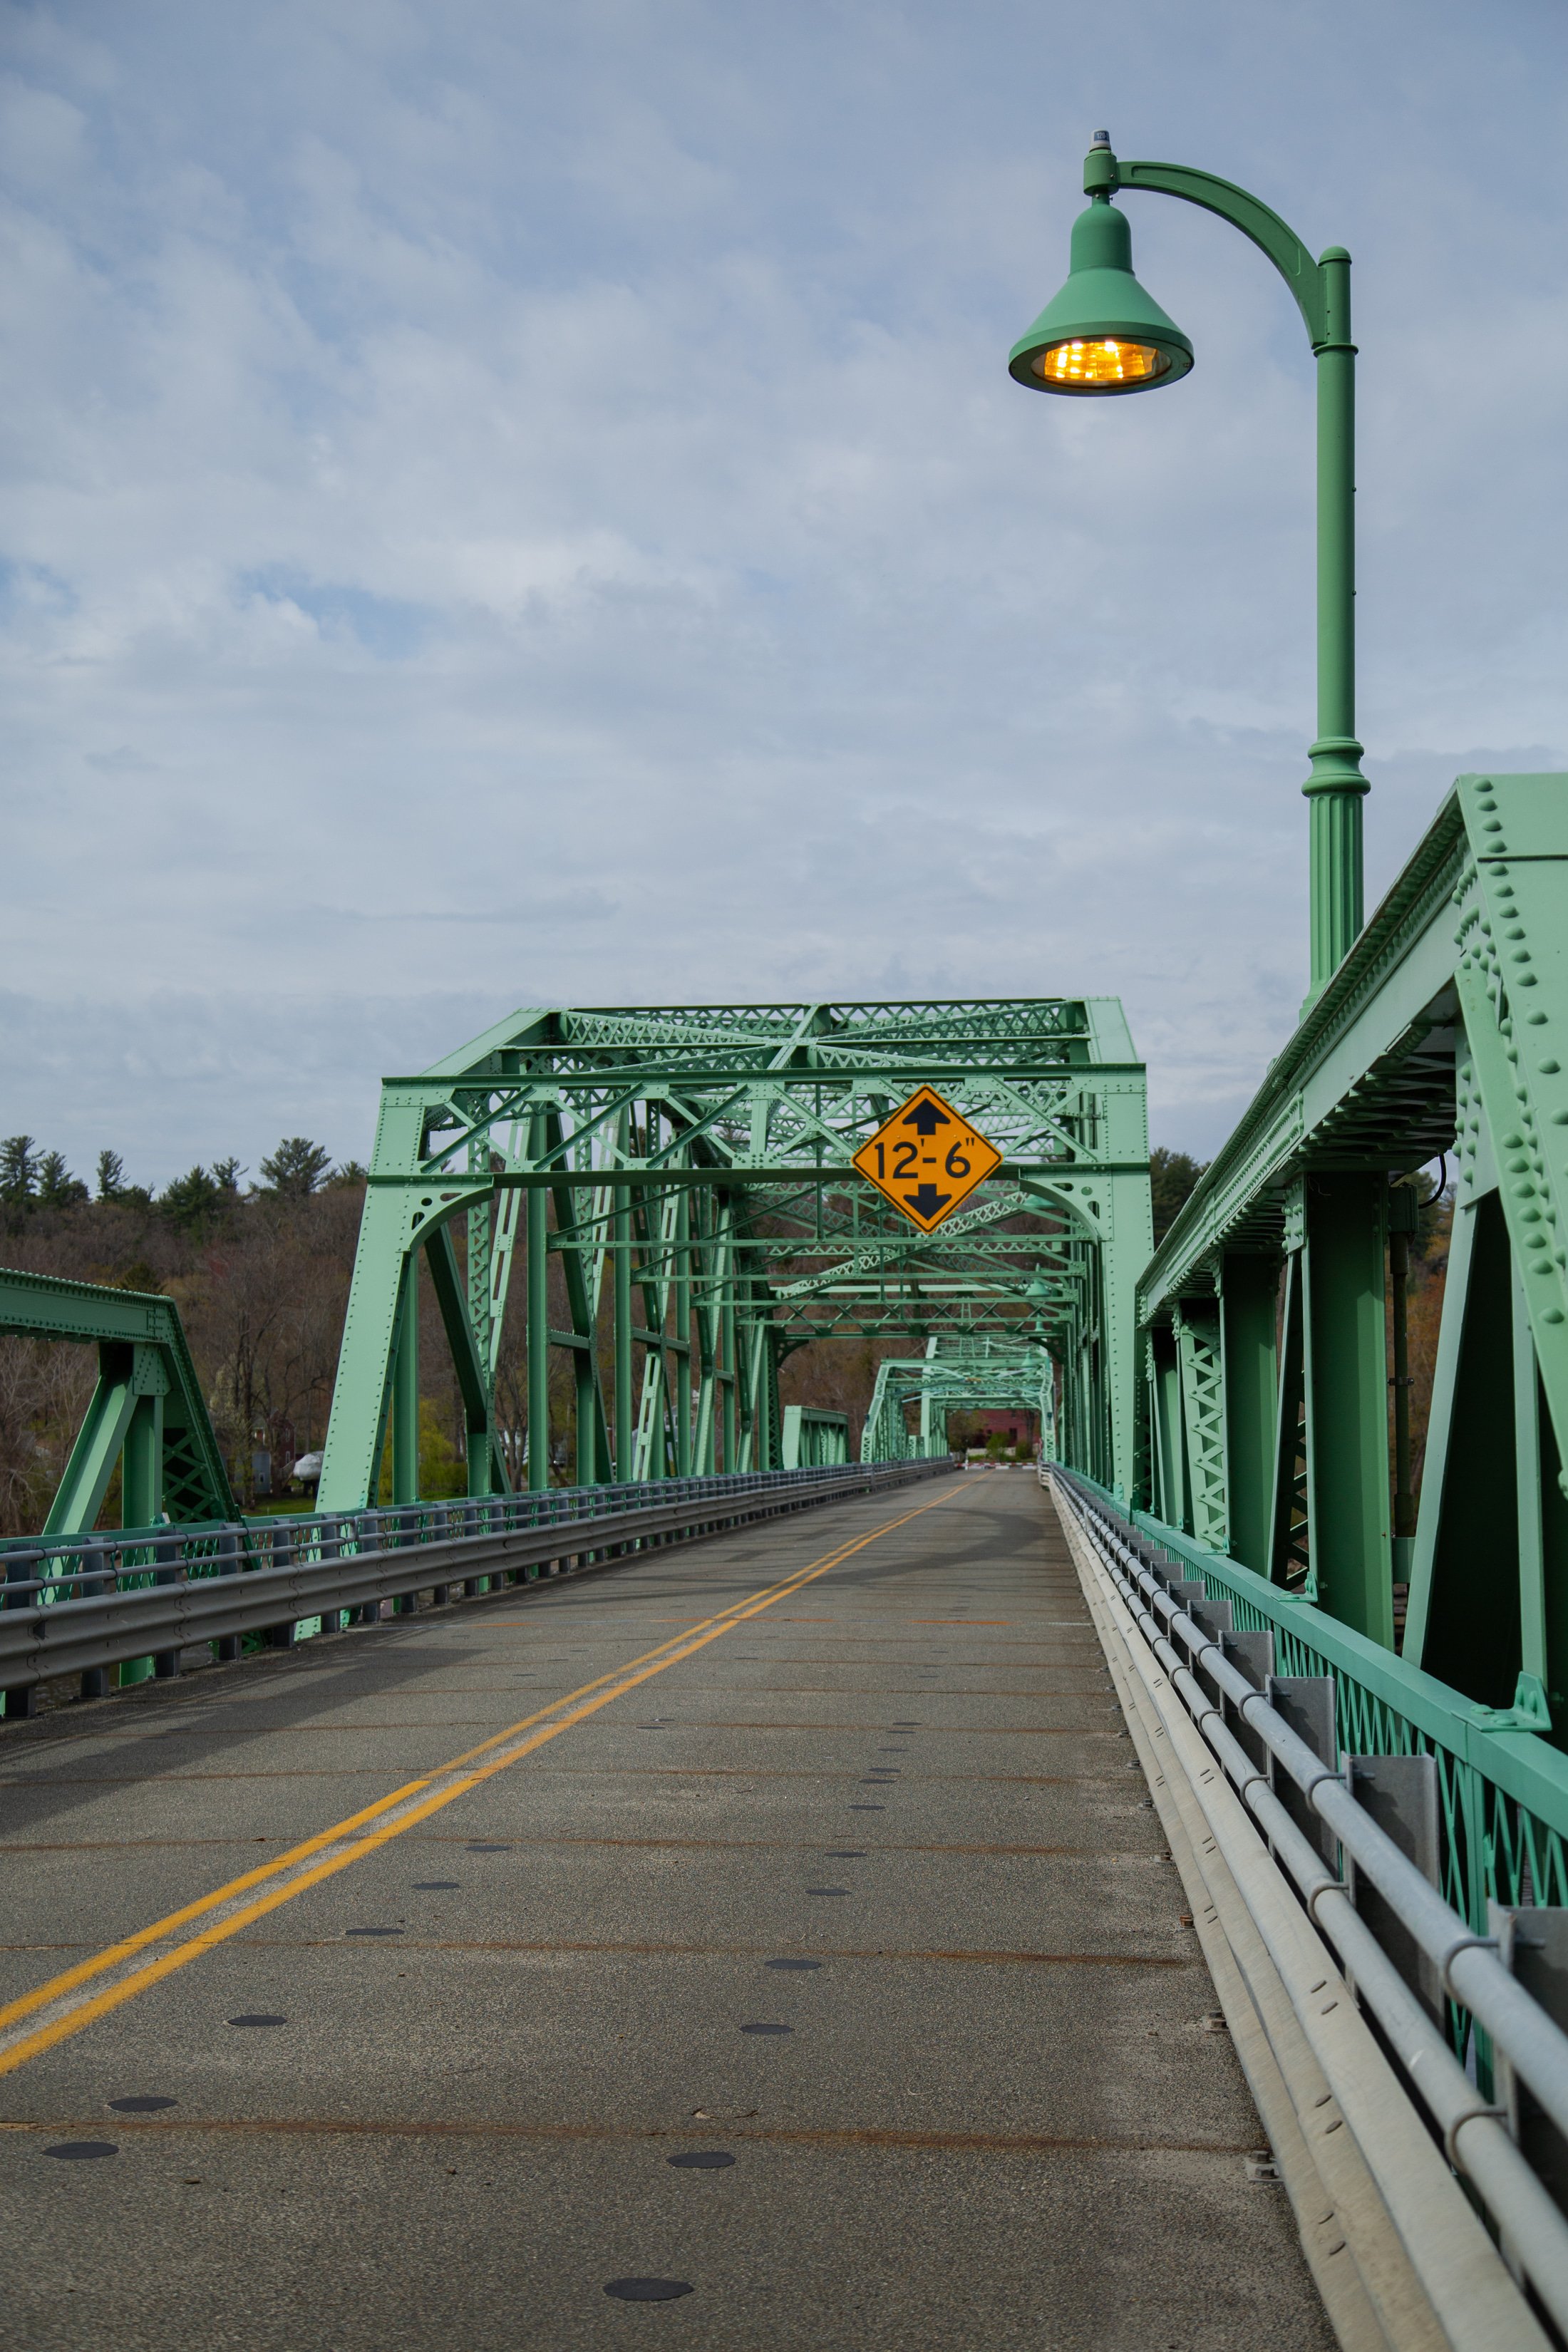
(959, 1375)
(689, 1169)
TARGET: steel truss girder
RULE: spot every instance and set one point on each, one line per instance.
(1444, 1031)
(147, 1413)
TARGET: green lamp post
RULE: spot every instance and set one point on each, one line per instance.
(1104, 335)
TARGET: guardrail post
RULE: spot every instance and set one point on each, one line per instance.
(369, 1538)
(1534, 1944)
(21, 1568)
(97, 1681)
(166, 1662)
(227, 1646)
(330, 1620)
(328, 1535)
(441, 1530)
(1306, 1703)
(282, 1637)
(1400, 1792)
(1213, 1619)
(1251, 1653)
(404, 1604)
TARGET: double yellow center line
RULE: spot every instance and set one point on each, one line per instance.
(53, 2012)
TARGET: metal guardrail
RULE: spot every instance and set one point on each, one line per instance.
(79, 1605)
(1474, 2130)
(1502, 1788)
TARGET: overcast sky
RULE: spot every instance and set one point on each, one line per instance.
(508, 503)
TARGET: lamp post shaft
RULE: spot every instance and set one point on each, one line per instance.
(1336, 786)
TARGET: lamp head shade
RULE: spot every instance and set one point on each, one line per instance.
(1102, 334)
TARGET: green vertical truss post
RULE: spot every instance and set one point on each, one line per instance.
(1170, 1446)
(470, 1359)
(1529, 1695)
(680, 1304)
(142, 1472)
(625, 1419)
(406, 1388)
(727, 1331)
(578, 1219)
(1202, 1386)
(769, 1455)
(1248, 1306)
(141, 1483)
(538, 1322)
(466, 1313)
(1290, 1558)
(1403, 1220)
(1346, 1373)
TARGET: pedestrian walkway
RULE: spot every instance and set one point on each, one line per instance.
(763, 1942)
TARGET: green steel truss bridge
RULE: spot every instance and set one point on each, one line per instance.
(1346, 1687)
(687, 1170)
(668, 1190)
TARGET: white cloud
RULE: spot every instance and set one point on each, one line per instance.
(510, 504)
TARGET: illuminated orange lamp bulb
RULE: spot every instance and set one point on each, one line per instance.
(1106, 359)
(1104, 332)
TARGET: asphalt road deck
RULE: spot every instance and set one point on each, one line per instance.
(832, 1969)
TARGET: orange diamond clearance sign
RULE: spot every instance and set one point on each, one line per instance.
(926, 1158)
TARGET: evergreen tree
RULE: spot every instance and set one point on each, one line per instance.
(58, 1188)
(18, 1171)
(297, 1169)
(191, 1201)
(1172, 1176)
(111, 1176)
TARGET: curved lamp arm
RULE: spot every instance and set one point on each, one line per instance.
(1309, 280)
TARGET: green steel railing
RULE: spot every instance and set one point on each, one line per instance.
(1504, 1793)
(81, 1604)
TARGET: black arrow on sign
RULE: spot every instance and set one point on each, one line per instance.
(927, 1200)
(925, 1118)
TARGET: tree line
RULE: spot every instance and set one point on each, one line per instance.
(31, 1179)
(258, 1271)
